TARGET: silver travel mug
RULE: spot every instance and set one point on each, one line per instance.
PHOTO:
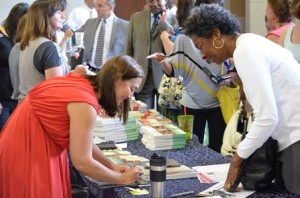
(157, 175)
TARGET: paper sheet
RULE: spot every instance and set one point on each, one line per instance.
(219, 186)
(212, 173)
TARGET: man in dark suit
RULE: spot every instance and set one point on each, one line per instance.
(97, 52)
(142, 40)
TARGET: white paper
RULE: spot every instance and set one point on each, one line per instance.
(212, 173)
(122, 145)
(219, 186)
(98, 140)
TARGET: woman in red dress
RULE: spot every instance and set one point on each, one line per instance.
(59, 114)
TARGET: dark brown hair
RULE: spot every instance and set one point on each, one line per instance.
(20, 28)
(104, 83)
(10, 24)
(281, 8)
(38, 21)
(184, 11)
(220, 2)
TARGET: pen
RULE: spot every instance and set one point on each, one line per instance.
(182, 194)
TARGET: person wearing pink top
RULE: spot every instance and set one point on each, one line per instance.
(278, 14)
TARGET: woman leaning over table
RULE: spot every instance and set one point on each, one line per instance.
(271, 79)
(57, 115)
(40, 56)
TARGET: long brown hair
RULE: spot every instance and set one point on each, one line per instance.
(11, 22)
(20, 28)
(184, 11)
(38, 21)
(104, 83)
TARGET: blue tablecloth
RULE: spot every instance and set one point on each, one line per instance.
(194, 154)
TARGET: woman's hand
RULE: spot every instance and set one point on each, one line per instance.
(159, 57)
(131, 175)
(120, 168)
(68, 34)
(234, 171)
(81, 69)
(232, 75)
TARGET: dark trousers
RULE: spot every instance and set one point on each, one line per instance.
(8, 107)
(148, 93)
(216, 126)
(289, 168)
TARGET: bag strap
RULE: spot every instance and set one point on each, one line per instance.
(214, 78)
(197, 80)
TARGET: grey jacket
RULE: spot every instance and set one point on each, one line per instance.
(117, 41)
(138, 44)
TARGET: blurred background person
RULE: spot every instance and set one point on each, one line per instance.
(171, 5)
(143, 38)
(199, 92)
(41, 57)
(78, 16)
(7, 40)
(290, 38)
(279, 17)
(14, 57)
(105, 36)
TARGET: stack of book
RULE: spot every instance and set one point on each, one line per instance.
(151, 113)
(153, 120)
(137, 105)
(113, 129)
(163, 137)
(125, 157)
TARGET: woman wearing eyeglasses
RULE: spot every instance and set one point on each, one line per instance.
(271, 82)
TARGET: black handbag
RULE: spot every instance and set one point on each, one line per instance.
(80, 192)
(259, 169)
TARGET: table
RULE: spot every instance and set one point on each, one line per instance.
(194, 154)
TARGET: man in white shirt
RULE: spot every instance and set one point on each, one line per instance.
(114, 38)
(170, 4)
(80, 15)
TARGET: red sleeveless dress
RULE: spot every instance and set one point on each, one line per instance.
(34, 142)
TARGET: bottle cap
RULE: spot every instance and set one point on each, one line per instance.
(157, 160)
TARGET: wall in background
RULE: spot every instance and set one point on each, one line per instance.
(237, 7)
(255, 15)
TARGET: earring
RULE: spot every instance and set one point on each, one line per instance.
(218, 47)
